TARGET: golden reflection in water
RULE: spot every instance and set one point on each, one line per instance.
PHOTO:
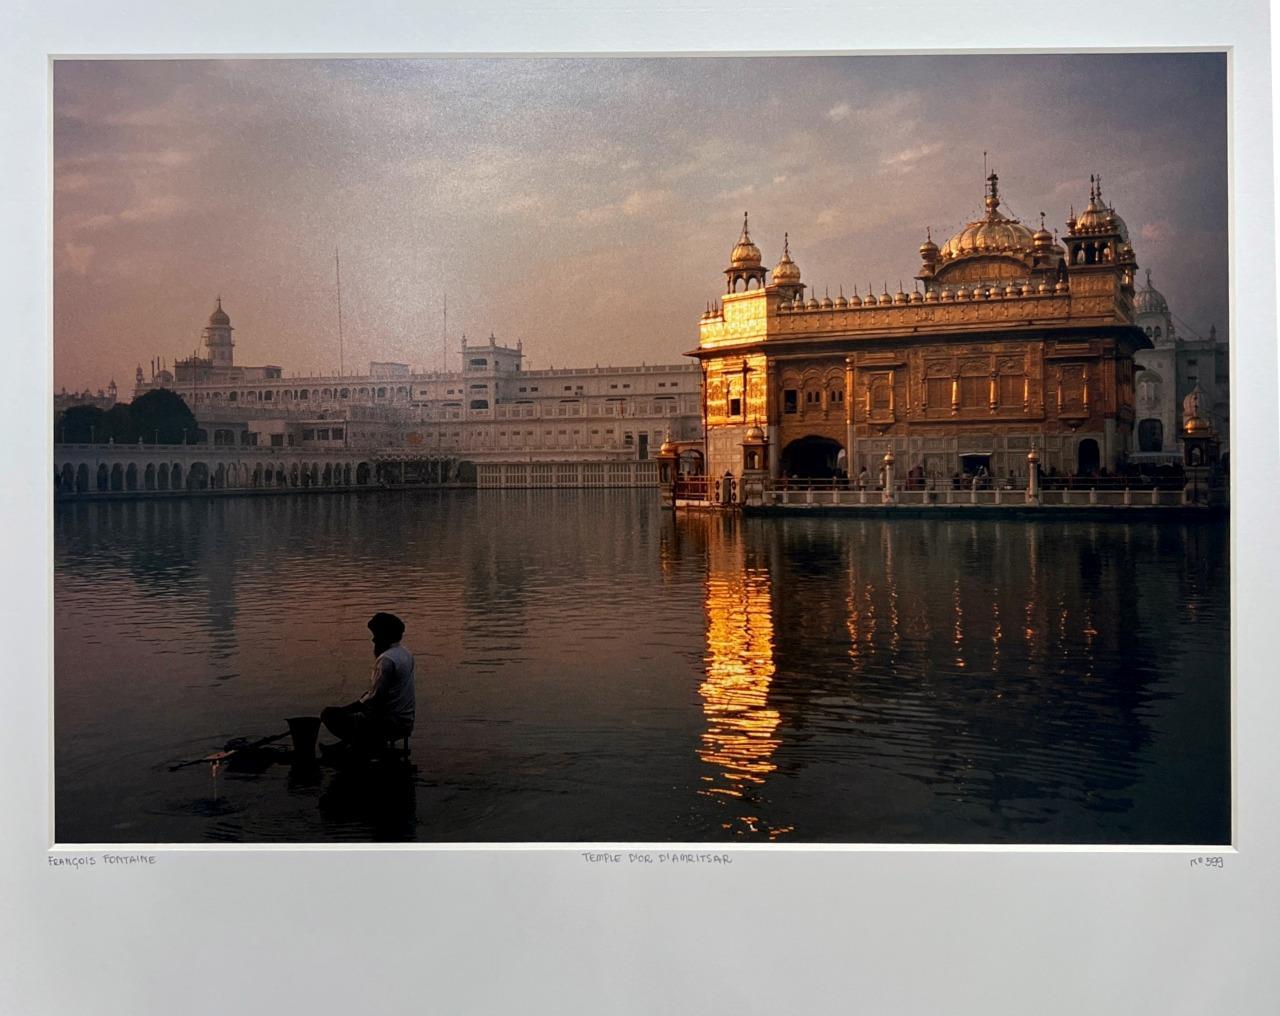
(958, 629)
(739, 740)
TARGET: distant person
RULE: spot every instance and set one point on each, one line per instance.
(386, 711)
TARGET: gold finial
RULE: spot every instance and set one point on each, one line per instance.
(786, 244)
(993, 198)
(1042, 220)
(928, 233)
(744, 227)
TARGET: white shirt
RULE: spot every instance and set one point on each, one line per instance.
(390, 697)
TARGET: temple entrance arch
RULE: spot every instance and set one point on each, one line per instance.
(812, 458)
(1087, 457)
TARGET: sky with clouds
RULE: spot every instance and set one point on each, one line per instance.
(585, 206)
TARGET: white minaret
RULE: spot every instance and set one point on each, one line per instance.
(217, 337)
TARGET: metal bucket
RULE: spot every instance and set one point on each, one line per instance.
(304, 730)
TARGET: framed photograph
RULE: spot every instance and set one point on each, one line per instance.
(491, 486)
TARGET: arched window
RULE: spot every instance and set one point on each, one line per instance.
(1151, 436)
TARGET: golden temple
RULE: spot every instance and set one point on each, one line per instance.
(1009, 340)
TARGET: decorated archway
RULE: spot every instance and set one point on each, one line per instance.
(812, 458)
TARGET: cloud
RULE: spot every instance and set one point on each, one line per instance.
(520, 204)
(1070, 188)
(1156, 232)
(71, 183)
(77, 257)
(738, 192)
(155, 209)
(705, 155)
(839, 112)
(780, 178)
(907, 159)
(641, 202)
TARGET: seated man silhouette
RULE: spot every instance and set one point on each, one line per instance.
(385, 712)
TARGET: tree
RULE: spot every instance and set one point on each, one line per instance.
(120, 426)
(82, 425)
(162, 415)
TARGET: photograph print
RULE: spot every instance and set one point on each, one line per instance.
(664, 450)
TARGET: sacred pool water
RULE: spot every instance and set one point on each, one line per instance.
(591, 669)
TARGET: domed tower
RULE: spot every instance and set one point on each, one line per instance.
(928, 257)
(786, 273)
(1151, 314)
(217, 337)
(744, 263)
(1098, 242)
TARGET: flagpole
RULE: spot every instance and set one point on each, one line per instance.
(337, 268)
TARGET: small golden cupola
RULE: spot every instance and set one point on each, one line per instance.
(1099, 236)
(1042, 238)
(745, 265)
(928, 256)
(786, 273)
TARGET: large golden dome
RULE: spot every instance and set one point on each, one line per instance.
(992, 234)
(745, 253)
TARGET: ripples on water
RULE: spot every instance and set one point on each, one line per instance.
(592, 669)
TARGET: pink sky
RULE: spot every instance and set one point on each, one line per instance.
(585, 206)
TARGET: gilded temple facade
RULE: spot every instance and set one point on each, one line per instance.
(1009, 340)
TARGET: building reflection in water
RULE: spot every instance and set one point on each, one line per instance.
(943, 681)
(741, 734)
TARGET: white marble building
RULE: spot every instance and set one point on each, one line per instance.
(1176, 364)
(491, 410)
